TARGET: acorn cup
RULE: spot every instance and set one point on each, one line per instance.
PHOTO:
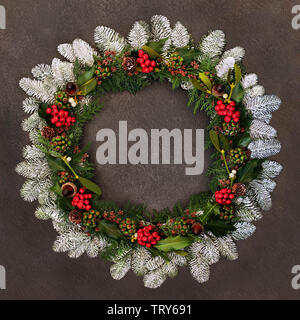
(69, 189)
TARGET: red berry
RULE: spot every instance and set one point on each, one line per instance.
(153, 63)
(222, 107)
(151, 69)
(143, 65)
(227, 119)
(58, 124)
(228, 201)
(148, 63)
(231, 196)
(148, 245)
(220, 102)
(48, 110)
(145, 57)
(61, 113)
(88, 208)
(232, 103)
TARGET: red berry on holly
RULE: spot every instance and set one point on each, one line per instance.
(153, 63)
(148, 63)
(145, 57)
(48, 110)
(151, 69)
(227, 119)
(143, 65)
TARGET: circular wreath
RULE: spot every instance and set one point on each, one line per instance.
(64, 96)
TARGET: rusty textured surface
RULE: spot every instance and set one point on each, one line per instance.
(34, 29)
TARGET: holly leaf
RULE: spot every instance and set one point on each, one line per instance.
(242, 140)
(238, 93)
(219, 227)
(86, 76)
(55, 164)
(157, 45)
(225, 142)
(229, 76)
(188, 55)
(215, 139)
(249, 172)
(152, 53)
(173, 243)
(204, 78)
(181, 253)
(111, 230)
(88, 87)
(65, 204)
(43, 114)
(90, 185)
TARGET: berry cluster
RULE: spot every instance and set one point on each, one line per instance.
(128, 228)
(231, 128)
(62, 100)
(61, 143)
(224, 196)
(90, 219)
(227, 213)
(228, 111)
(146, 64)
(237, 156)
(112, 216)
(147, 237)
(65, 176)
(60, 117)
(180, 226)
(81, 201)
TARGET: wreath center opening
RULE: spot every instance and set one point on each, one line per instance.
(152, 110)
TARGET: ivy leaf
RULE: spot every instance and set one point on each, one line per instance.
(152, 53)
(225, 142)
(242, 140)
(90, 185)
(238, 74)
(173, 243)
(88, 87)
(219, 228)
(249, 172)
(86, 76)
(215, 139)
(65, 204)
(238, 93)
(111, 230)
(157, 45)
(205, 80)
(55, 164)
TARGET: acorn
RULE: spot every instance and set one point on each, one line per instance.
(69, 189)
(72, 89)
(197, 228)
(218, 90)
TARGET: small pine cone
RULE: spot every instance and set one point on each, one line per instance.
(48, 133)
(239, 189)
(75, 217)
(129, 63)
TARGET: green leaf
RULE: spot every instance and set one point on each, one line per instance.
(225, 142)
(111, 230)
(205, 80)
(238, 93)
(215, 139)
(90, 185)
(196, 84)
(152, 53)
(188, 55)
(229, 76)
(181, 253)
(65, 204)
(249, 172)
(219, 227)
(238, 74)
(55, 164)
(88, 87)
(43, 114)
(242, 140)
(173, 243)
(157, 45)
(86, 76)
(56, 188)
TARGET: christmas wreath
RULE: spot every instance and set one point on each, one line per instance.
(65, 95)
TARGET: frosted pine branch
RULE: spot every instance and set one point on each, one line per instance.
(154, 279)
(108, 39)
(213, 44)
(271, 169)
(199, 269)
(258, 192)
(236, 53)
(140, 256)
(170, 269)
(62, 72)
(255, 91)
(32, 188)
(36, 88)
(139, 35)
(179, 36)
(67, 51)
(261, 149)
(224, 66)
(249, 80)
(30, 105)
(227, 247)
(33, 122)
(42, 71)
(84, 52)
(32, 152)
(260, 106)
(206, 250)
(160, 27)
(243, 230)
(34, 169)
(177, 259)
(154, 263)
(248, 211)
(119, 269)
(261, 130)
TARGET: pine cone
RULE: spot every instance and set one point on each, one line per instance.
(75, 217)
(129, 63)
(239, 189)
(48, 133)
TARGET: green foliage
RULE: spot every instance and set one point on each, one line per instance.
(214, 138)
(109, 229)
(199, 201)
(250, 171)
(90, 185)
(219, 227)
(173, 243)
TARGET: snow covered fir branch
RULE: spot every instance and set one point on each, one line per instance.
(62, 98)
